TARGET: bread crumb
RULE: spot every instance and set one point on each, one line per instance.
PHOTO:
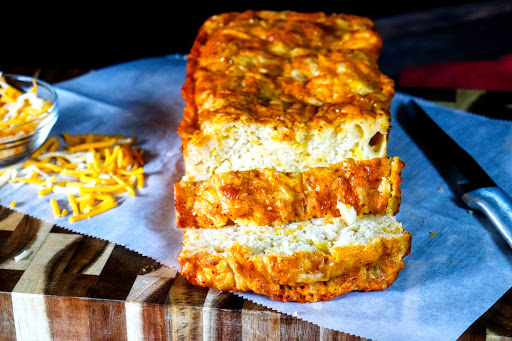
(432, 234)
(440, 189)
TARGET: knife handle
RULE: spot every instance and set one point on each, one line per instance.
(496, 205)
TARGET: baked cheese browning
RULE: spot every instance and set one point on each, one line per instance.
(269, 197)
(286, 29)
(260, 82)
(288, 190)
(238, 272)
(281, 68)
(311, 275)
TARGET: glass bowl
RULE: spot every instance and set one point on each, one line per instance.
(21, 140)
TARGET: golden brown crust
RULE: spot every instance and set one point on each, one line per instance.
(283, 69)
(301, 277)
(270, 197)
(295, 75)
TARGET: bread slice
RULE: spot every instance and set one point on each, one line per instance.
(309, 261)
(283, 90)
(269, 197)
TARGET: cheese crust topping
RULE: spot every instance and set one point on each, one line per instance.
(270, 197)
(284, 69)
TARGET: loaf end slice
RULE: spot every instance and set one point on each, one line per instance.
(310, 261)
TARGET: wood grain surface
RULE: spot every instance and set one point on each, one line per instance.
(75, 287)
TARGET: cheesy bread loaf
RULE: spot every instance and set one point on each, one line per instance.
(283, 90)
(288, 190)
(270, 197)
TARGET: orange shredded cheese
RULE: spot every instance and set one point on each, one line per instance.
(100, 208)
(46, 190)
(91, 170)
(28, 180)
(73, 204)
(43, 147)
(13, 203)
(93, 145)
(55, 207)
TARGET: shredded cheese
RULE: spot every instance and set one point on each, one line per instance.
(73, 204)
(46, 190)
(55, 207)
(24, 254)
(91, 170)
(104, 206)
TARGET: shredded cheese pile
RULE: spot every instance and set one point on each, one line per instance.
(91, 171)
(19, 112)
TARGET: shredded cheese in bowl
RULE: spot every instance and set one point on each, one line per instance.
(91, 171)
(26, 115)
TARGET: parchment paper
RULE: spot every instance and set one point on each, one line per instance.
(451, 276)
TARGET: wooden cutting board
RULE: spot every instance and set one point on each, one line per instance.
(75, 287)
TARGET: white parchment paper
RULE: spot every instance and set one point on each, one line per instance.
(450, 279)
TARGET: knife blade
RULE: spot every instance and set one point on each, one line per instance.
(466, 178)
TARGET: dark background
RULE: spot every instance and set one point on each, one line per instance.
(86, 35)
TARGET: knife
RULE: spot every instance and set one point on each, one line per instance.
(466, 178)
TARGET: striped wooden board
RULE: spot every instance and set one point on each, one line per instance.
(74, 287)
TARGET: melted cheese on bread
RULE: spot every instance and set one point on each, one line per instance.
(283, 90)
